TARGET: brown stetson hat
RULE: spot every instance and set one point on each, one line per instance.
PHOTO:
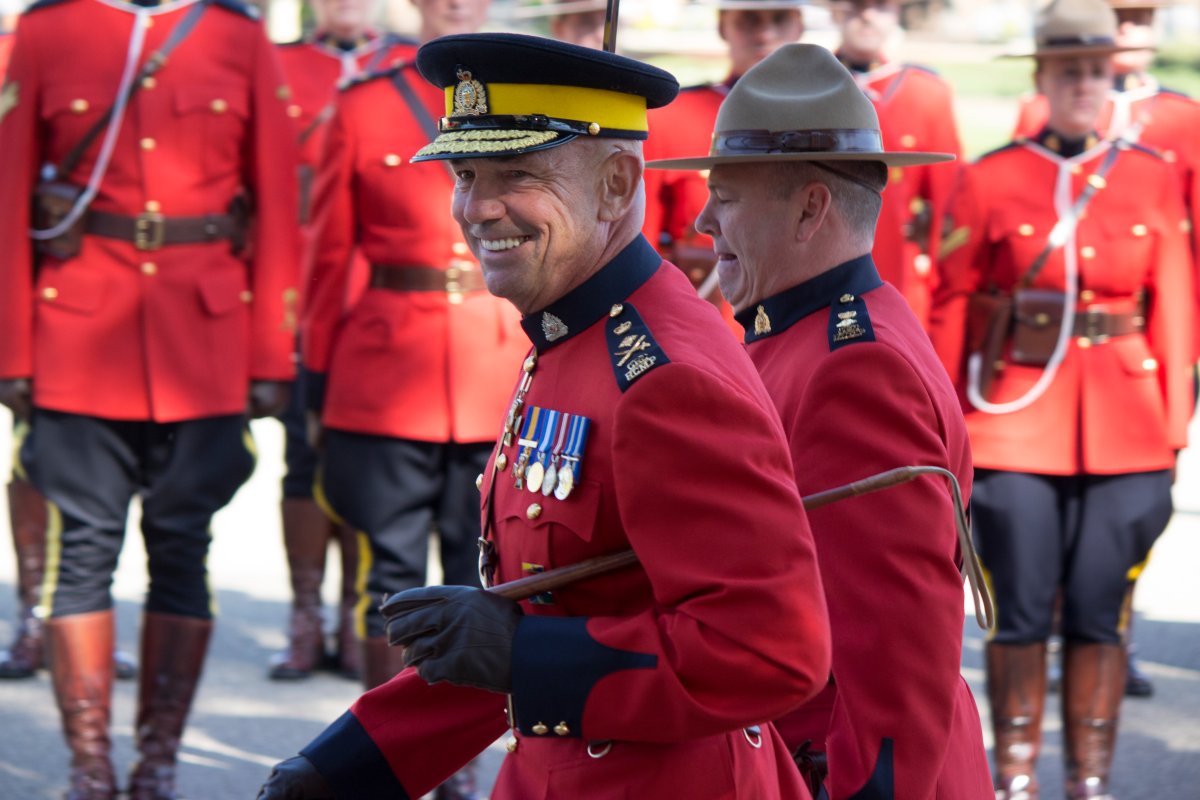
(1074, 28)
(797, 104)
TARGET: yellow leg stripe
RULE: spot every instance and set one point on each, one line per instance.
(54, 529)
(363, 606)
(1136, 570)
(322, 499)
(249, 443)
(20, 432)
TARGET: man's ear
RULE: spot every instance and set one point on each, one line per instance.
(620, 182)
(809, 207)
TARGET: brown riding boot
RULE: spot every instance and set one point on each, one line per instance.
(1093, 685)
(27, 515)
(349, 654)
(306, 532)
(79, 650)
(1016, 685)
(380, 662)
(173, 650)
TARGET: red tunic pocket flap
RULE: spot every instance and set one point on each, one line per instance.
(577, 513)
(212, 99)
(223, 292)
(78, 290)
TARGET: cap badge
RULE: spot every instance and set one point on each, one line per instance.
(470, 98)
(553, 327)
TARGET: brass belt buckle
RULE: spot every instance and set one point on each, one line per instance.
(453, 285)
(149, 231)
(1093, 325)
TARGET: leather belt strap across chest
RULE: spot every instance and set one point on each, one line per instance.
(403, 278)
(150, 231)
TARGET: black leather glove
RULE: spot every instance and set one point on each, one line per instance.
(295, 779)
(17, 394)
(456, 634)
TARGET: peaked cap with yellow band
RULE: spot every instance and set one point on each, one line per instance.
(508, 94)
(797, 104)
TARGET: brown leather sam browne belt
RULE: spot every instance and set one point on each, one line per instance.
(402, 278)
(149, 231)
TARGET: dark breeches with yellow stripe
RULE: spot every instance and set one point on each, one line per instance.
(90, 469)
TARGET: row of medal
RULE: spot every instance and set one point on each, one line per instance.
(550, 450)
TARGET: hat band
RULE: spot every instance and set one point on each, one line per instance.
(832, 140)
(608, 109)
(1080, 41)
(533, 122)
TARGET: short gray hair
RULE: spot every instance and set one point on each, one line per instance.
(855, 186)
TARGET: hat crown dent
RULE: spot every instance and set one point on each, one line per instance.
(1078, 20)
(771, 97)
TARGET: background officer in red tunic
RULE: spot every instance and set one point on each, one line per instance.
(1140, 110)
(916, 112)
(142, 349)
(343, 47)
(860, 391)
(650, 682)
(1075, 434)
(751, 29)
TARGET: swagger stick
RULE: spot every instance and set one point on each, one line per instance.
(548, 581)
(610, 25)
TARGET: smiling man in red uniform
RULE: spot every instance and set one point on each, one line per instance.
(142, 349)
(656, 681)
(916, 112)
(860, 391)
(343, 47)
(751, 29)
(1077, 413)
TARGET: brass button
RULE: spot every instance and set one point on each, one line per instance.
(1041, 318)
(530, 363)
(562, 729)
(1185, 225)
(219, 106)
(1025, 229)
(1087, 251)
(908, 140)
(246, 296)
(79, 105)
(1139, 230)
(922, 264)
(149, 268)
(1076, 169)
(616, 310)
(391, 160)
(479, 481)
(501, 461)
(1096, 182)
(540, 729)
(1084, 343)
(283, 93)
(698, 274)
(511, 744)
(153, 206)
(294, 111)
(999, 364)
(460, 249)
(846, 298)
(1087, 295)
(49, 293)
(1169, 156)
(533, 512)
(594, 128)
(148, 143)
(895, 174)
(149, 82)
(1150, 364)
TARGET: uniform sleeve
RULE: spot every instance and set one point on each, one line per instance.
(889, 566)
(271, 178)
(402, 739)
(329, 269)
(738, 632)
(1171, 316)
(20, 156)
(961, 254)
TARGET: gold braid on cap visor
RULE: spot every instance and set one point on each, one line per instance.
(485, 141)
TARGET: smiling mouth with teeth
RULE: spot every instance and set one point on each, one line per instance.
(494, 245)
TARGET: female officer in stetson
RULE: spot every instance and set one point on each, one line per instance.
(1079, 399)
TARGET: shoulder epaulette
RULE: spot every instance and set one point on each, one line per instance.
(631, 346)
(367, 77)
(923, 68)
(849, 322)
(238, 7)
(40, 4)
(1020, 141)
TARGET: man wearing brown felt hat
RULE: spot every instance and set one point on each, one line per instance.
(797, 166)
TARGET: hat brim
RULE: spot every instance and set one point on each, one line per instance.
(902, 159)
(489, 143)
(1081, 50)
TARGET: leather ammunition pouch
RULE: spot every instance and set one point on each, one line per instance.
(1037, 318)
(52, 202)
